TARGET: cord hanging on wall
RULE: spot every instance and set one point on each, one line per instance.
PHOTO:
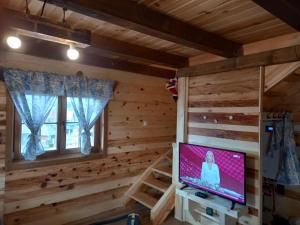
(43, 8)
(27, 8)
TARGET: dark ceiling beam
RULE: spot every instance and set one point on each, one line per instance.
(40, 28)
(286, 10)
(56, 51)
(267, 58)
(129, 14)
(107, 46)
(37, 27)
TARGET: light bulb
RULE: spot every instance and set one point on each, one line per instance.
(72, 53)
(13, 42)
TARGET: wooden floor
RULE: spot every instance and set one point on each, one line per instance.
(142, 211)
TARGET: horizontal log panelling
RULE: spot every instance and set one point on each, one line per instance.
(239, 86)
(224, 97)
(233, 135)
(224, 118)
(224, 113)
(216, 125)
(249, 147)
(141, 126)
(222, 103)
(67, 211)
(246, 110)
(35, 199)
(139, 144)
(225, 78)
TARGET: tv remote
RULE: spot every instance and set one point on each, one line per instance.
(201, 194)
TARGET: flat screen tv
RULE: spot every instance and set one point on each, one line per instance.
(217, 171)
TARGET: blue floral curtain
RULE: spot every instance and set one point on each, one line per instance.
(89, 98)
(34, 95)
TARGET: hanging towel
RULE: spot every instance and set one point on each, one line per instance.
(289, 170)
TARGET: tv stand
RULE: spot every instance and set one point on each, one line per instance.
(232, 205)
(193, 209)
(184, 187)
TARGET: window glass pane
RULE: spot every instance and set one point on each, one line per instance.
(24, 135)
(93, 136)
(48, 131)
(52, 118)
(73, 136)
(71, 116)
(49, 137)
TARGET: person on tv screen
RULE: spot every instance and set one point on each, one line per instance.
(210, 175)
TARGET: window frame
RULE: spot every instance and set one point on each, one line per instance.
(13, 146)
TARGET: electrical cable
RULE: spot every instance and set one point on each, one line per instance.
(113, 220)
(64, 14)
(27, 8)
(43, 8)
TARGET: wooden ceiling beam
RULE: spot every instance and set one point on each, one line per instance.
(267, 58)
(286, 10)
(34, 26)
(51, 50)
(129, 14)
(42, 29)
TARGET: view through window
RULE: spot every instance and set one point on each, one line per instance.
(61, 131)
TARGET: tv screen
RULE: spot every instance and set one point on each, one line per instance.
(218, 171)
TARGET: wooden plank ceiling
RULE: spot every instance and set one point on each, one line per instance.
(239, 21)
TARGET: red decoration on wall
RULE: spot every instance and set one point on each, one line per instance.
(171, 85)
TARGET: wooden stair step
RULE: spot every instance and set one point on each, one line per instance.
(169, 158)
(145, 199)
(157, 184)
(164, 170)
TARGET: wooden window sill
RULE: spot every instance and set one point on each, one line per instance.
(60, 159)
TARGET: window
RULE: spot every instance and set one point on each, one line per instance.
(60, 134)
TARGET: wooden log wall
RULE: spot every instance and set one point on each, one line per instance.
(285, 97)
(141, 126)
(223, 111)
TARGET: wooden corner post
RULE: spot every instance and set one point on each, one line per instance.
(181, 136)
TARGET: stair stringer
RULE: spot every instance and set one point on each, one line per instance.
(164, 206)
(139, 182)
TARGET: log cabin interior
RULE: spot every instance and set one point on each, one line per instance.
(143, 112)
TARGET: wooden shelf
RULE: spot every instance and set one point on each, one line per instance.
(164, 170)
(215, 219)
(215, 202)
(144, 199)
(157, 184)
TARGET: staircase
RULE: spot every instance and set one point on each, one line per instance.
(154, 189)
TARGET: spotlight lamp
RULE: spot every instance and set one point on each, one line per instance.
(13, 42)
(72, 53)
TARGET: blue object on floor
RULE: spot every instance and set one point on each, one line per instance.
(133, 219)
